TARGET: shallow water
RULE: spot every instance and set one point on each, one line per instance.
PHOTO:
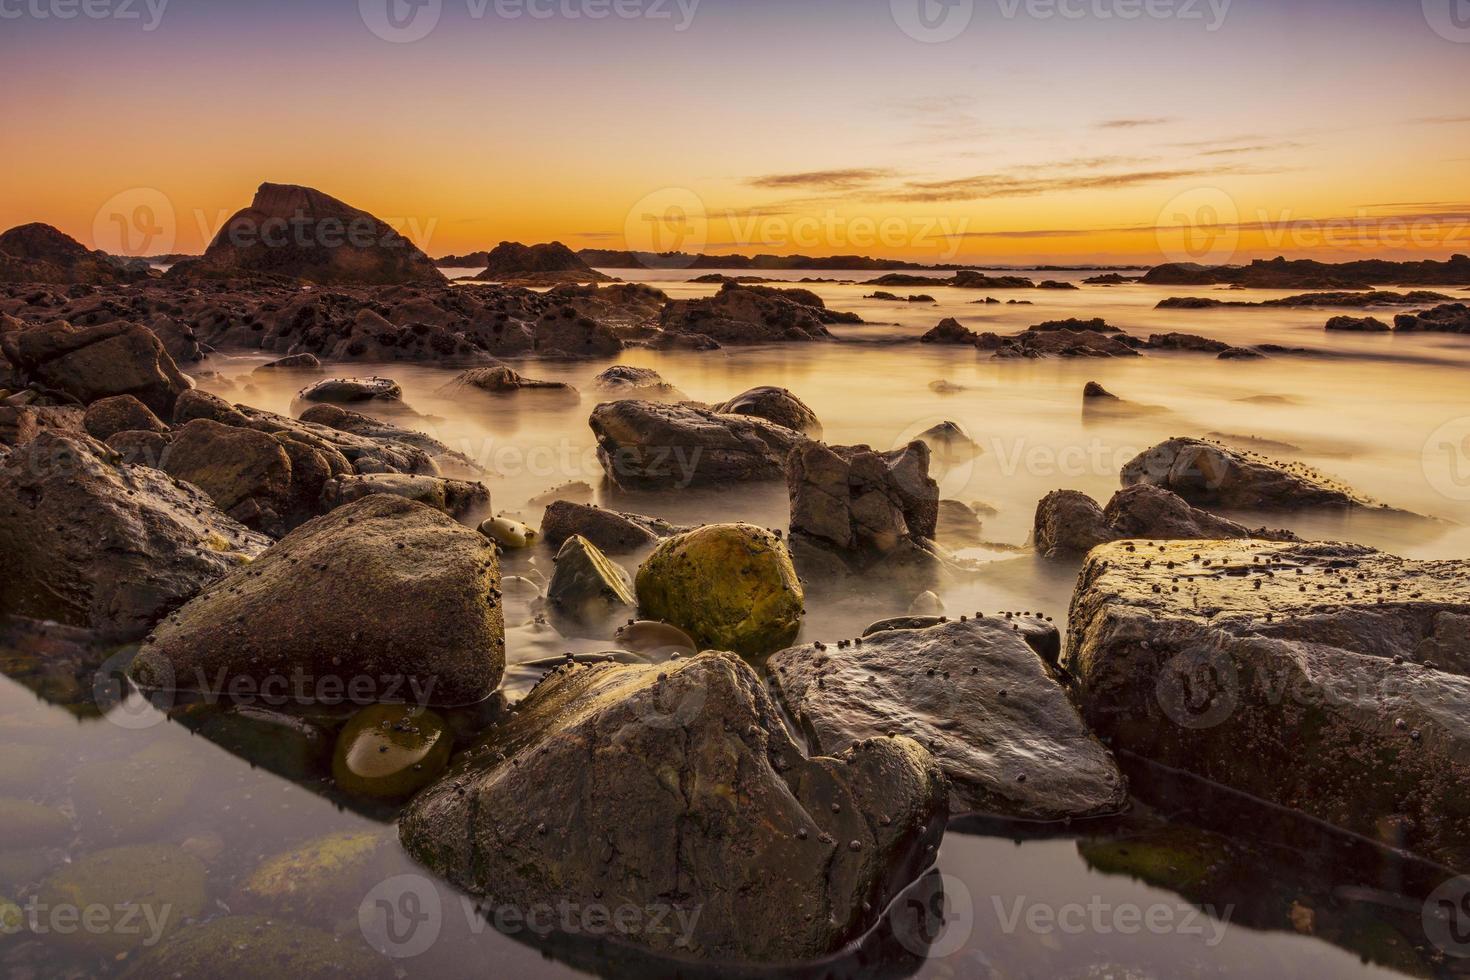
(1280, 899)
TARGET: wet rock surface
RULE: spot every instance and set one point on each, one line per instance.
(1069, 523)
(256, 948)
(776, 405)
(1449, 318)
(787, 858)
(1326, 678)
(623, 380)
(311, 607)
(90, 541)
(106, 417)
(346, 391)
(90, 363)
(465, 502)
(740, 314)
(587, 586)
(977, 695)
(502, 380)
(644, 444)
(612, 531)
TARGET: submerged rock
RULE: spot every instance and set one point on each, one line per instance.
(784, 858)
(1357, 324)
(775, 405)
(501, 380)
(137, 796)
(383, 599)
(257, 948)
(1330, 679)
(350, 390)
(295, 362)
(157, 879)
(623, 380)
(730, 586)
(508, 533)
(950, 331)
(643, 444)
(91, 542)
(658, 641)
(325, 872)
(587, 586)
(978, 696)
(1070, 524)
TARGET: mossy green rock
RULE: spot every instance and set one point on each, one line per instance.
(136, 797)
(391, 751)
(164, 883)
(729, 586)
(26, 824)
(317, 876)
(248, 948)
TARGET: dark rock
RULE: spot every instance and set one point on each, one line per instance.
(386, 595)
(89, 363)
(246, 473)
(1186, 341)
(613, 532)
(646, 444)
(775, 405)
(465, 502)
(537, 265)
(587, 586)
(958, 525)
(108, 416)
(1070, 524)
(1094, 390)
(1280, 273)
(752, 315)
(974, 693)
(623, 380)
(350, 390)
(1357, 324)
(1240, 354)
(296, 362)
(502, 380)
(950, 331)
(39, 253)
(196, 404)
(753, 834)
(1449, 318)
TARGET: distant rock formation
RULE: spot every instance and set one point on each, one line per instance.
(298, 233)
(1449, 318)
(41, 253)
(537, 265)
(1279, 273)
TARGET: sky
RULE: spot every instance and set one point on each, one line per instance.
(979, 131)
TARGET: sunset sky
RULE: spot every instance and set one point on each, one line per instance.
(814, 126)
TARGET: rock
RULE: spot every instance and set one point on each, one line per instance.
(774, 405)
(321, 873)
(1280, 273)
(91, 542)
(196, 404)
(623, 380)
(106, 417)
(730, 586)
(378, 431)
(385, 593)
(613, 532)
(537, 265)
(731, 819)
(740, 314)
(1186, 341)
(1094, 390)
(508, 533)
(1240, 354)
(1211, 474)
(1448, 318)
(299, 233)
(588, 587)
(958, 524)
(27, 824)
(246, 473)
(657, 641)
(1273, 671)
(37, 253)
(350, 390)
(296, 362)
(1070, 523)
(949, 443)
(926, 604)
(136, 797)
(572, 492)
(978, 696)
(950, 331)
(391, 751)
(502, 380)
(249, 948)
(644, 444)
(139, 447)
(156, 879)
(465, 502)
(91, 363)
(1357, 324)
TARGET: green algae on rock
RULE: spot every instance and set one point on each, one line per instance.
(730, 586)
(316, 876)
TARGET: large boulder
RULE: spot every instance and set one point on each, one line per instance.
(1329, 679)
(302, 234)
(626, 381)
(350, 390)
(246, 473)
(383, 599)
(978, 696)
(677, 787)
(950, 331)
(1212, 474)
(730, 586)
(89, 363)
(1447, 318)
(644, 444)
(91, 542)
(775, 405)
(501, 380)
(537, 265)
(1069, 523)
(106, 417)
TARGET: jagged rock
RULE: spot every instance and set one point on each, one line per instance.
(502, 380)
(537, 265)
(91, 542)
(385, 593)
(1357, 324)
(299, 233)
(1299, 674)
(978, 696)
(950, 331)
(1094, 390)
(753, 315)
(776, 405)
(1070, 523)
(1449, 318)
(39, 253)
(91, 363)
(730, 586)
(1211, 474)
(376, 430)
(949, 442)
(350, 390)
(635, 382)
(1186, 341)
(646, 444)
(731, 818)
(465, 502)
(108, 416)
(587, 586)
(614, 532)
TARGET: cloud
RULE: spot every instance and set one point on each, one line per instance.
(1452, 215)
(826, 180)
(1226, 151)
(992, 186)
(1441, 120)
(596, 235)
(1135, 123)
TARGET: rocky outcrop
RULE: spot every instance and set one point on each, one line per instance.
(501, 380)
(1328, 679)
(515, 264)
(731, 819)
(296, 362)
(1280, 273)
(1357, 324)
(1212, 474)
(776, 405)
(343, 420)
(383, 599)
(1449, 318)
(729, 586)
(646, 444)
(39, 253)
(91, 542)
(1186, 341)
(1059, 339)
(89, 363)
(977, 696)
(753, 315)
(299, 233)
(614, 532)
(1070, 523)
(951, 331)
